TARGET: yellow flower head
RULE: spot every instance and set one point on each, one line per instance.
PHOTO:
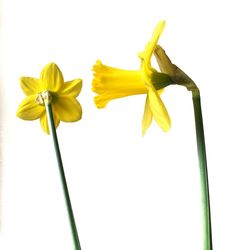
(65, 107)
(111, 83)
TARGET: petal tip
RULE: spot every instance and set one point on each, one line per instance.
(51, 64)
(167, 127)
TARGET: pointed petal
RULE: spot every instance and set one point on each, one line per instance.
(68, 109)
(71, 88)
(158, 109)
(150, 47)
(29, 85)
(147, 117)
(44, 121)
(51, 78)
(29, 109)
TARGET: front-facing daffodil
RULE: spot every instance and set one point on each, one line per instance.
(62, 95)
(111, 83)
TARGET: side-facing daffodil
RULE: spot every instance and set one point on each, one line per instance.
(111, 83)
(63, 95)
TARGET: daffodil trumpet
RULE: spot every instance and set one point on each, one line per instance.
(180, 78)
(52, 100)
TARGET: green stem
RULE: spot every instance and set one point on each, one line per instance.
(62, 176)
(180, 78)
(206, 214)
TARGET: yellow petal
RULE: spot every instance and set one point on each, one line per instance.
(44, 122)
(150, 47)
(151, 77)
(51, 78)
(71, 88)
(147, 117)
(29, 109)
(30, 85)
(158, 109)
(67, 109)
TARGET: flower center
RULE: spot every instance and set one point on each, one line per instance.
(44, 98)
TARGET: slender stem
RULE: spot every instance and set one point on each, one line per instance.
(180, 78)
(206, 213)
(62, 176)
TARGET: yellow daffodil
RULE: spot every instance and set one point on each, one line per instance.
(63, 95)
(111, 83)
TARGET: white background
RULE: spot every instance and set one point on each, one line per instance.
(127, 192)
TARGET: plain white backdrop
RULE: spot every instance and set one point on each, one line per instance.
(127, 191)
